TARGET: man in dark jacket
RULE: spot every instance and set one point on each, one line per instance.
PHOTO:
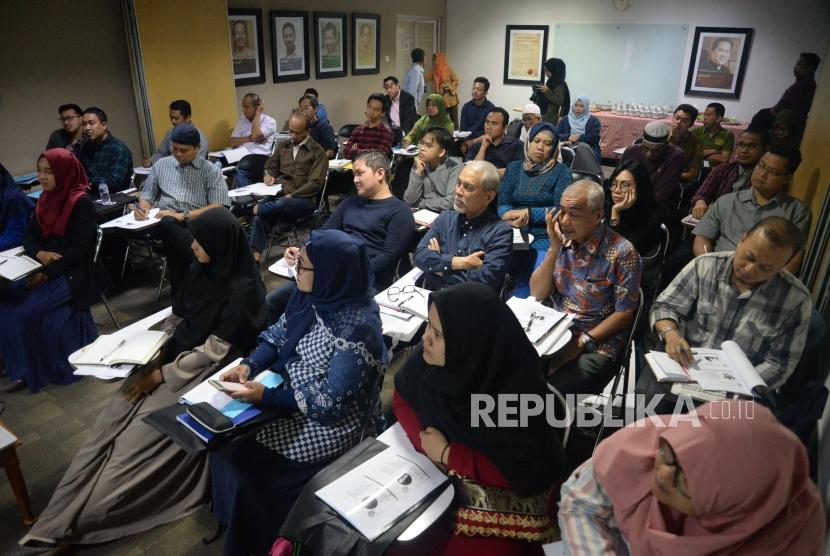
(402, 112)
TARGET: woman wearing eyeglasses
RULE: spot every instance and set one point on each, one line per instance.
(631, 209)
(328, 346)
(731, 480)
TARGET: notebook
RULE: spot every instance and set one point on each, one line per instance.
(256, 189)
(537, 320)
(424, 217)
(113, 349)
(15, 264)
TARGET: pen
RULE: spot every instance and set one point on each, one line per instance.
(4, 261)
(113, 350)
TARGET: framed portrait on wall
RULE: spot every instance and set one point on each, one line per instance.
(525, 48)
(245, 28)
(718, 62)
(330, 44)
(289, 45)
(365, 44)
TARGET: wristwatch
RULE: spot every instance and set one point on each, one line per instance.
(589, 345)
(186, 214)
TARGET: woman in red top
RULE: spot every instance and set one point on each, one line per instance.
(474, 344)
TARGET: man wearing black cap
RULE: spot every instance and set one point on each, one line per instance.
(183, 186)
(663, 161)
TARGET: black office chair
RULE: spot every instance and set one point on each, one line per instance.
(254, 164)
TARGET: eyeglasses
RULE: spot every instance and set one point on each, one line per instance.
(668, 457)
(771, 171)
(394, 293)
(621, 185)
(67, 119)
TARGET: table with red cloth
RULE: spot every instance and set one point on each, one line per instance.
(619, 131)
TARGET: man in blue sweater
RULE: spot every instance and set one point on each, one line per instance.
(381, 220)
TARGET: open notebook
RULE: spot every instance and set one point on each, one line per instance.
(717, 370)
(537, 320)
(112, 349)
(15, 264)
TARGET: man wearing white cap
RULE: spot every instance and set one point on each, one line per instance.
(531, 115)
(663, 161)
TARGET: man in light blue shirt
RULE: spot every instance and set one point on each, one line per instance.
(413, 82)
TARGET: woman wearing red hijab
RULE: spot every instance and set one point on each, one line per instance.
(45, 316)
(732, 482)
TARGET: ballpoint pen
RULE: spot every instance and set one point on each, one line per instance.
(113, 350)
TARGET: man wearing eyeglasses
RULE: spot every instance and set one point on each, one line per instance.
(71, 134)
(434, 173)
(732, 176)
(734, 214)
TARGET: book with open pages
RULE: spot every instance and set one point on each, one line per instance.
(537, 320)
(15, 264)
(716, 370)
(113, 349)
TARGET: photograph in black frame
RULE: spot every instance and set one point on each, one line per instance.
(247, 51)
(718, 62)
(330, 54)
(365, 44)
(289, 45)
(525, 48)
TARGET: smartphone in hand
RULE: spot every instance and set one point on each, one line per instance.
(226, 387)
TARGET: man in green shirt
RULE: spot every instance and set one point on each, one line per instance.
(718, 143)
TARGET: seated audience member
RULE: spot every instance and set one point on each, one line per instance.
(723, 225)
(71, 134)
(434, 173)
(731, 176)
(436, 116)
(300, 166)
(632, 211)
(717, 142)
(373, 135)
(533, 186)
(745, 296)
(321, 130)
(703, 485)
(593, 273)
(531, 115)
(322, 113)
(579, 126)
(128, 477)
(554, 97)
(470, 243)
(183, 186)
(104, 157)
(45, 316)
(413, 81)
(786, 129)
(254, 132)
(475, 111)
(445, 83)
(382, 221)
(470, 339)
(329, 348)
(496, 147)
(180, 113)
(663, 161)
(683, 119)
(797, 97)
(402, 108)
(15, 210)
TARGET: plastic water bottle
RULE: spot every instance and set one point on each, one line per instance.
(218, 166)
(104, 193)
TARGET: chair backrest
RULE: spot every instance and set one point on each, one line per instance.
(626, 355)
(346, 131)
(99, 237)
(567, 155)
(254, 164)
(561, 399)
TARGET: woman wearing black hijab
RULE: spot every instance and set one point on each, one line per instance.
(128, 477)
(554, 95)
(474, 345)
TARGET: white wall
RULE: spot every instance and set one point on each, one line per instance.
(476, 28)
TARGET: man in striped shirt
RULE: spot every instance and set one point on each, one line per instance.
(746, 296)
(373, 135)
(183, 186)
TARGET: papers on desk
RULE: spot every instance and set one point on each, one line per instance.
(104, 372)
(142, 171)
(461, 134)
(719, 370)
(379, 492)
(128, 221)
(15, 264)
(231, 408)
(281, 268)
(408, 301)
(424, 217)
(26, 179)
(689, 221)
(231, 155)
(411, 150)
(255, 189)
(537, 320)
(113, 349)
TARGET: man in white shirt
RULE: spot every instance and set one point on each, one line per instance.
(254, 131)
(413, 82)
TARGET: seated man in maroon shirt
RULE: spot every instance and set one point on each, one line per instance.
(373, 135)
(664, 162)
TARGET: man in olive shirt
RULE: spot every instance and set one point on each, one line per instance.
(300, 166)
(717, 142)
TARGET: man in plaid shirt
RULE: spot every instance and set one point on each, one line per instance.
(745, 296)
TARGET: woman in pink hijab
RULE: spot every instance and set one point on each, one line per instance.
(737, 483)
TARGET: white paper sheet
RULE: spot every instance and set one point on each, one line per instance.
(104, 372)
(281, 268)
(536, 319)
(256, 189)
(128, 221)
(231, 155)
(15, 264)
(425, 217)
(6, 438)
